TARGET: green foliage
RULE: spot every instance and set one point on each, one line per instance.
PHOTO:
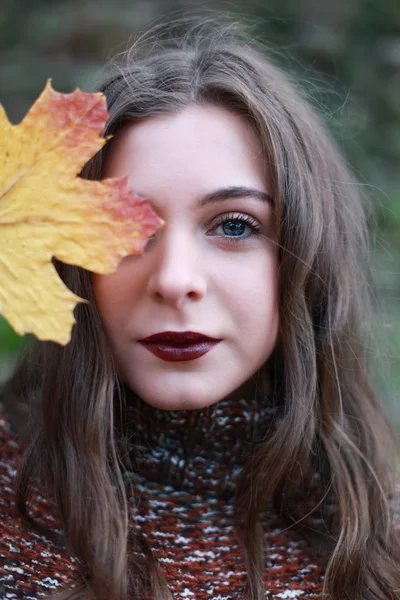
(10, 342)
(11, 345)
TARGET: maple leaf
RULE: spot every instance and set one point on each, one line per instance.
(47, 211)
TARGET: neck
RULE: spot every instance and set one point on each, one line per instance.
(199, 450)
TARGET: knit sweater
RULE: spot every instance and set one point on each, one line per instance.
(184, 471)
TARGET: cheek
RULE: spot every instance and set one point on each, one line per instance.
(102, 285)
(257, 311)
(252, 290)
(113, 298)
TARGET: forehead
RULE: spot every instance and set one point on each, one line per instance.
(192, 151)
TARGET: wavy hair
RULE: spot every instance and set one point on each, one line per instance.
(332, 421)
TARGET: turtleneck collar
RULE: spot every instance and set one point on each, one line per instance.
(199, 450)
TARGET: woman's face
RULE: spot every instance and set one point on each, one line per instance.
(212, 269)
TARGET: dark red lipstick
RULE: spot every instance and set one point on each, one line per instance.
(177, 346)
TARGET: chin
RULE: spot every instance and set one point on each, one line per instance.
(179, 404)
(181, 394)
(178, 401)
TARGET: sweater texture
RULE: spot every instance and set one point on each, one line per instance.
(183, 476)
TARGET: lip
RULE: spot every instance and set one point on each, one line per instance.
(177, 346)
(178, 337)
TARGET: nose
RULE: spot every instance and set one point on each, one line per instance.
(177, 273)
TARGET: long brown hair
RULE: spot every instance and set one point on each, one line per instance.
(332, 421)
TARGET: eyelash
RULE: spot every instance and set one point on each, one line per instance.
(253, 224)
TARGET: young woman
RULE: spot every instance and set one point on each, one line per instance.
(211, 430)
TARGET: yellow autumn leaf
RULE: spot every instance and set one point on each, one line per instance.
(47, 211)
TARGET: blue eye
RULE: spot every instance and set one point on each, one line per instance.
(236, 227)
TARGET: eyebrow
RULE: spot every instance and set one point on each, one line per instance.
(235, 192)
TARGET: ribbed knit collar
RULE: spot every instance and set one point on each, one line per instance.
(198, 451)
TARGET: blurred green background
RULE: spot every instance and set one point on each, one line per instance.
(345, 54)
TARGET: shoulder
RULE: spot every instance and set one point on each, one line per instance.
(10, 453)
(30, 565)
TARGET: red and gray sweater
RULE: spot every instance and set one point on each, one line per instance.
(188, 461)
